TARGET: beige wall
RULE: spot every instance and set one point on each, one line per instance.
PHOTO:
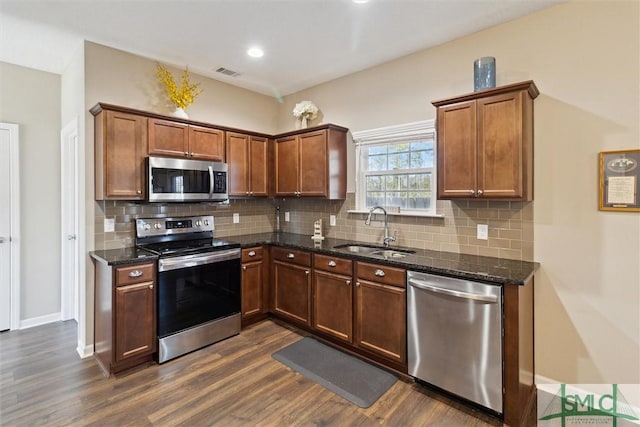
(584, 58)
(31, 99)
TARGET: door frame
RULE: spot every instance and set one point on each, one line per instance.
(69, 292)
(14, 235)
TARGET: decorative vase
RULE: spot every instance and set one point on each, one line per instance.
(484, 73)
(180, 113)
(303, 122)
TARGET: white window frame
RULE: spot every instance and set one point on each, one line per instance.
(390, 134)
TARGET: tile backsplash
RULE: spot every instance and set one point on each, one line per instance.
(510, 223)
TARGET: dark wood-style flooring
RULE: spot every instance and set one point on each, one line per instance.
(231, 383)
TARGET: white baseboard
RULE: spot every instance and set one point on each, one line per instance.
(41, 320)
(84, 350)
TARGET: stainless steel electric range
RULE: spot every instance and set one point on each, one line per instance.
(198, 283)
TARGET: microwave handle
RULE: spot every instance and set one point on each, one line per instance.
(210, 181)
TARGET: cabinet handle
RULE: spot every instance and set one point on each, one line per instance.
(191, 154)
(246, 193)
(332, 263)
(252, 253)
(186, 153)
(150, 286)
(379, 273)
(290, 256)
(480, 193)
(306, 272)
(139, 192)
(357, 284)
(348, 282)
(244, 267)
(136, 273)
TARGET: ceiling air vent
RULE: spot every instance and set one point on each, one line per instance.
(227, 72)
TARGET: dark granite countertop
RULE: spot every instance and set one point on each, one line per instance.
(473, 267)
(122, 256)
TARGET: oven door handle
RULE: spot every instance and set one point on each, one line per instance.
(211, 181)
(185, 261)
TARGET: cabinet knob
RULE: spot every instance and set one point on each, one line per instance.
(480, 192)
(244, 267)
(357, 284)
(290, 255)
(191, 154)
(379, 273)
(139, 192)
(332, 263)
(186, 153)
(306, 272)
(135, 273)
(246, 193)
(472, 192)
(150, 286)
(348, 282)
(252, 253)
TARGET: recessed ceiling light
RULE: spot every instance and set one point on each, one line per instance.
(255, 52)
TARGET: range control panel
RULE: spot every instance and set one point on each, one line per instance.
(146, 227)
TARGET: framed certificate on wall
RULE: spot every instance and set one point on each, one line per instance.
(619, 180)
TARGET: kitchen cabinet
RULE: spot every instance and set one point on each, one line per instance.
(125, 316)
(292, 284)
(333, 296)
(248, 161)
(485, 144)
(120, 151)
(253, 285)
(311, 163)
(381, 311)
(176, 139)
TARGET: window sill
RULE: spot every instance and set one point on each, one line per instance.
(402, 213)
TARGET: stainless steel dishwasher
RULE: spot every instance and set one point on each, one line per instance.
(454, 334)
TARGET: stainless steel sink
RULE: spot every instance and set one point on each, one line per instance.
(383, 251)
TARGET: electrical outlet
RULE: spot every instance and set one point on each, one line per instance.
(236, 218)
(287, 217)
(483, 232)
(332, 220)
(109, 225)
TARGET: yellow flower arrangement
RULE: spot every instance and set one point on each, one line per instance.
(182, 96)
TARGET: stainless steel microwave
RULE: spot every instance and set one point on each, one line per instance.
(184, 180)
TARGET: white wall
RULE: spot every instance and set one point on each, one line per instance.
(31, 99)
(584, 58)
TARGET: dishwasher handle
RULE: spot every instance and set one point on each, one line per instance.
(427, 286)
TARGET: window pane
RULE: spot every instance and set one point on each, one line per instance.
(375, 182)
(374, 198)
(378, 149)
(396, 199)
(399, 161)
(399, 148)
(419, 200)
(378, 163)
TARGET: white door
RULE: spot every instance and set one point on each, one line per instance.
(69, 203)
(9, 235)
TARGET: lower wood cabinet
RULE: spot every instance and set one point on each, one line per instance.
(381, 309)
(125, 316)
(292, 285)
(333, 297)
(254, 295)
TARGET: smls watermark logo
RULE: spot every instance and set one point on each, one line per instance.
(573, 405)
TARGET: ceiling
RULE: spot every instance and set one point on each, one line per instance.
(306, 42)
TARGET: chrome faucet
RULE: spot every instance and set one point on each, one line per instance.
(387, 239)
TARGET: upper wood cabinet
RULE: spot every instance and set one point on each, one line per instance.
(120, 151)
(485, 144)
(311, 162)
(175, 139)
(247, 158)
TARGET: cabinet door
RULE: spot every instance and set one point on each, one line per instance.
(252, 289)
(286, 166)
(167, 138)
(258, 166)
(238, 163)
(313, 163)
(500, 146)
(125, 147)
(292, 285)
(206, 143)
(135, 320)
(381, 320)
(332, 305)
(457, 156)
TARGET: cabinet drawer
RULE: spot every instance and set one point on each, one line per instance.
(252, 254)
(134, 274)
(332, 264)
(292, 256)
(381, 274)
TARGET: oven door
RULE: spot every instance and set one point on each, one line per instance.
(197, 289)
